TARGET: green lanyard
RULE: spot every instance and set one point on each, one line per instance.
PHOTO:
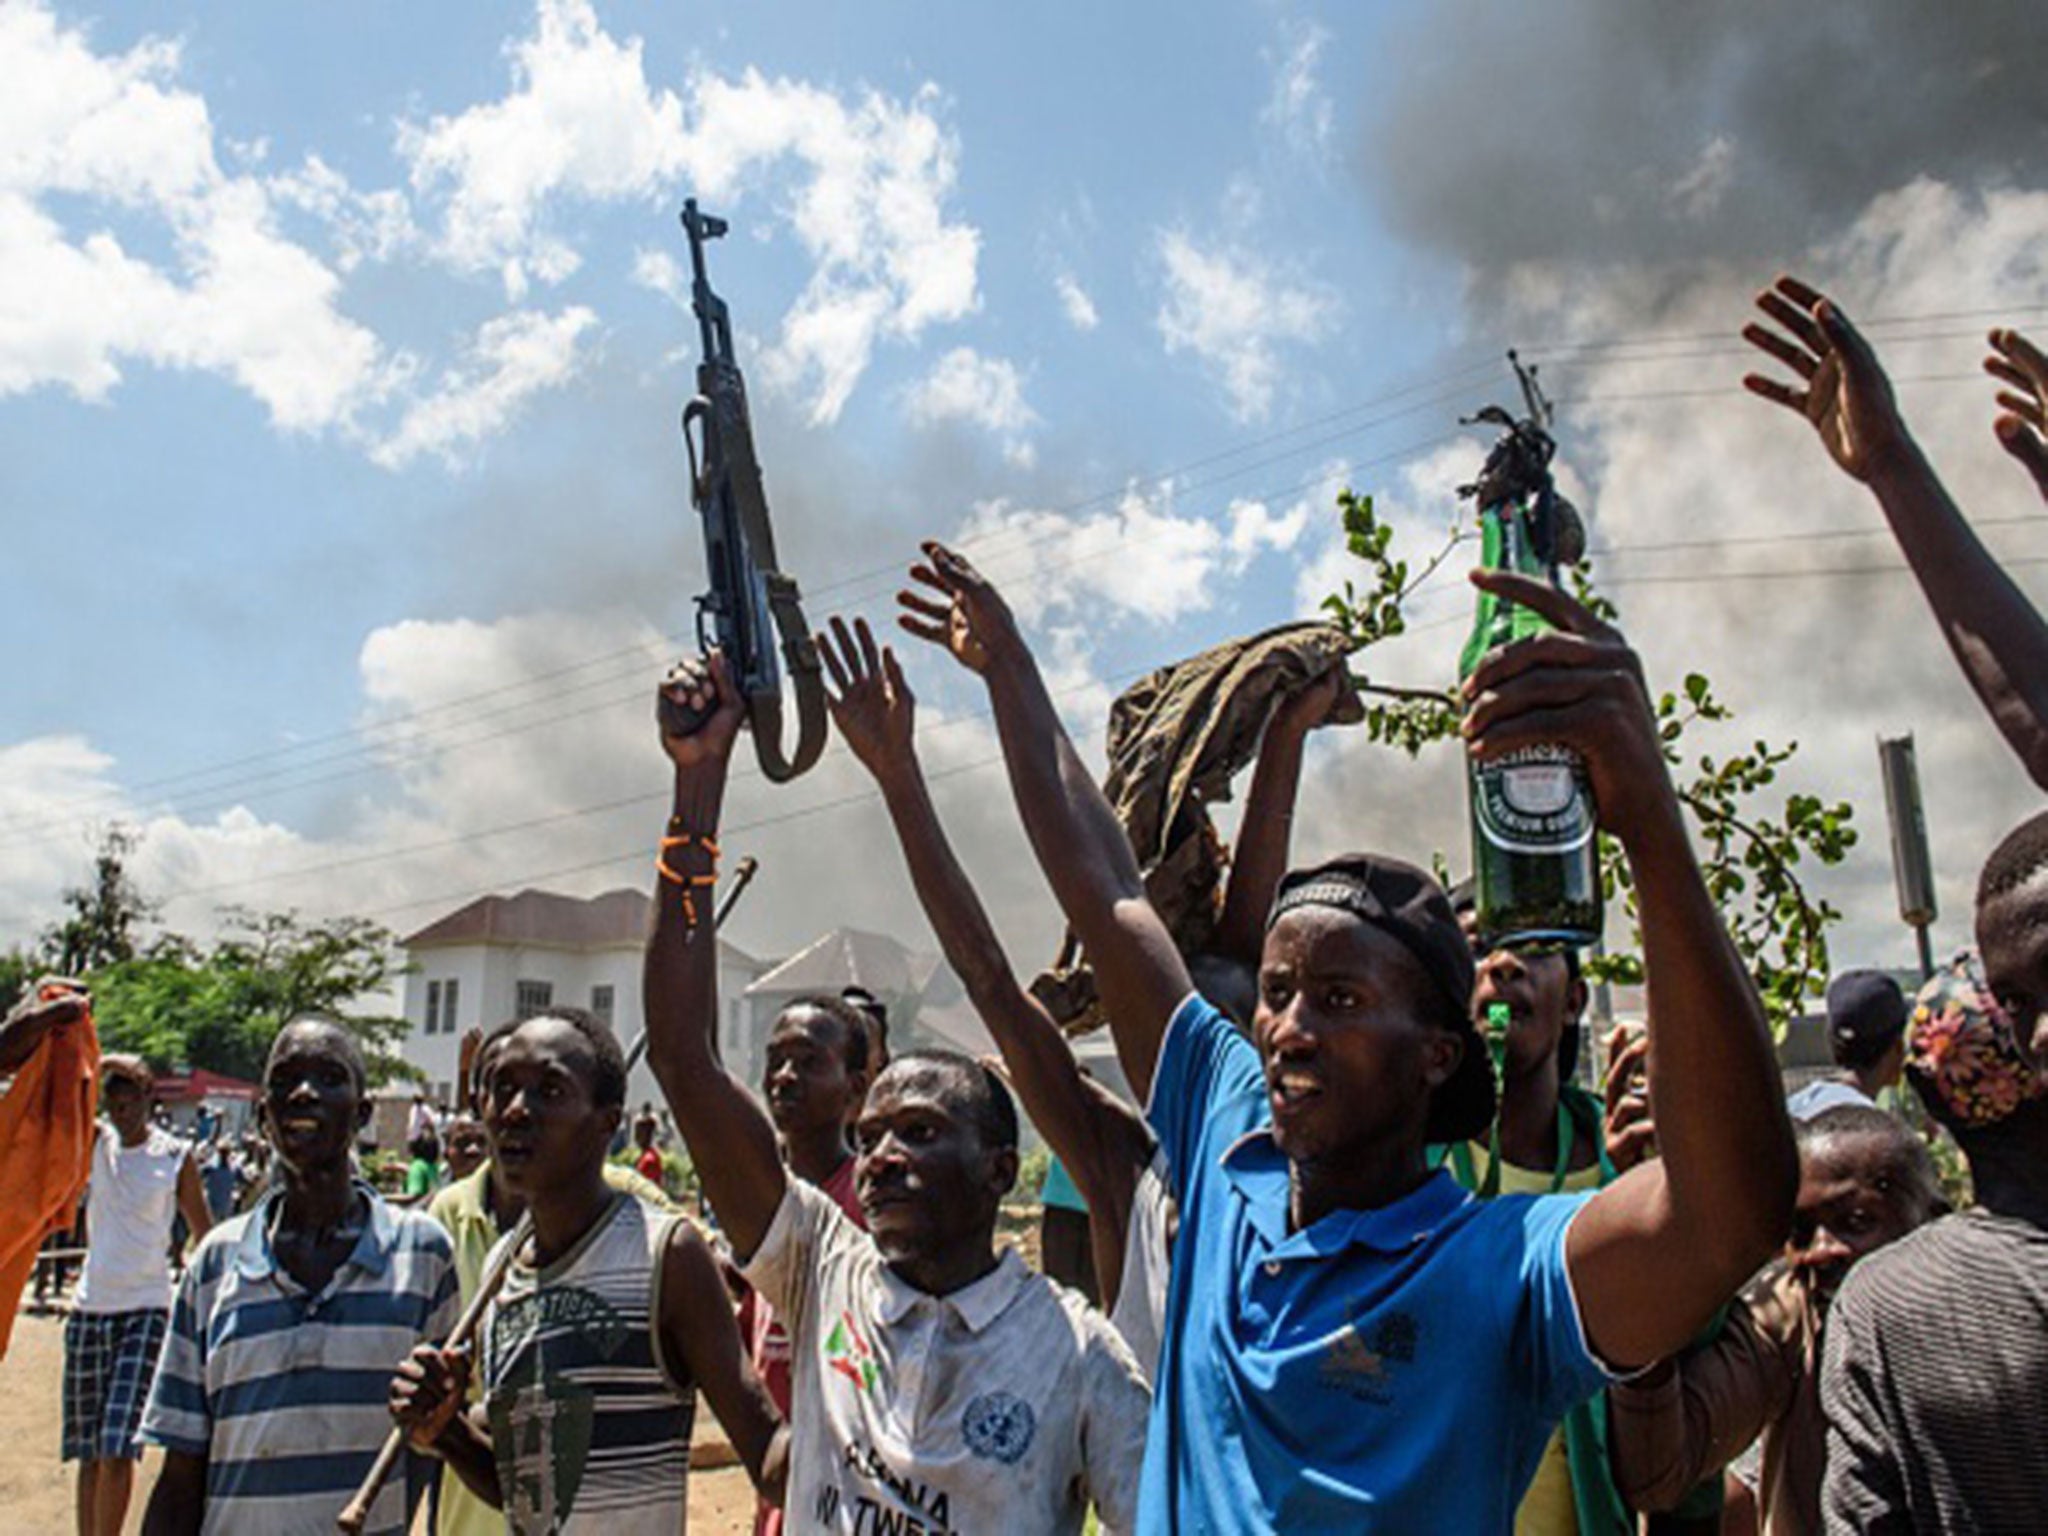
(1487, 1188)
(1461, 1154)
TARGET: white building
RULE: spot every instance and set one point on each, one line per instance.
(504, 957)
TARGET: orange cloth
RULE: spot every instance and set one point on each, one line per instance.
(46, 1131)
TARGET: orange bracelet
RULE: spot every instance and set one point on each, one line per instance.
(661, 868)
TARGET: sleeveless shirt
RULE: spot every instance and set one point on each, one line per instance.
(588, 1423)
(131, 1203)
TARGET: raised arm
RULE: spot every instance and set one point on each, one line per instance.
(1104, 1144)
(1080, 845)
(1997, 636)
(730, 1137)
(1653, 1255)
(49, 1003)
(1265, 831)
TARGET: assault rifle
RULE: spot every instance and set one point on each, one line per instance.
(751, 604)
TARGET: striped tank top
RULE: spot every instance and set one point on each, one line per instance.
(589, 1425)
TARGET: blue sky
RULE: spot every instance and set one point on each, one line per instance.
(341, 354)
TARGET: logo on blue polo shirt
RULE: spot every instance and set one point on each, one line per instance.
(998, 1427)
(1364, 1364)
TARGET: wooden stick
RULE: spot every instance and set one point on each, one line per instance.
(356, 1513)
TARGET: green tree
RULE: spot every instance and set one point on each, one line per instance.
(105, 916)
(18, 967)
(179, 1004)
(1751, 858)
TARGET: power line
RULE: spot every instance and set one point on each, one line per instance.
(1021, 538)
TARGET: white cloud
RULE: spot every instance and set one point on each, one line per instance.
(661, 272)
(985, 391)
(1299, 108)
(1140, 558)
(1254, 527)
(560, 785)
(1075, 303)
(872, 176)
(1234, 311)
(239, 299)
(513, 357)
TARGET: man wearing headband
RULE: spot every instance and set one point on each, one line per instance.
(1352, 1342)
(1935, 1382)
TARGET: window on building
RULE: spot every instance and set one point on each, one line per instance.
(433, 1007)
(532, 997)
(448, 1005)
(601, 1003)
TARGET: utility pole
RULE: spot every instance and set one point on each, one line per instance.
(1912, 868)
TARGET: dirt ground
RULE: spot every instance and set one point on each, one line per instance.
(35, 1487)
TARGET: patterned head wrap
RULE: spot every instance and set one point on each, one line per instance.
(1961, 1054)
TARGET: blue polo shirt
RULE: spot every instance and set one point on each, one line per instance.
(1398, 1369)
(282, 1389)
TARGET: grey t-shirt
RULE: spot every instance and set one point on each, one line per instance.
(1935, 1383)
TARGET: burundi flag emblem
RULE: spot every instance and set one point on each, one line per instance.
(850, 1355)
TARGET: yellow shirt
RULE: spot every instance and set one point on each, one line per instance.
(1548, 1508)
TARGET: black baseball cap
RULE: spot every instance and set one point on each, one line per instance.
(1404, 902)
(1866, 1013)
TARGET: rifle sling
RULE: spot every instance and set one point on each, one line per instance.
(799, 655)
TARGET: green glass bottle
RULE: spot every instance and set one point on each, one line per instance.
(1535, 859)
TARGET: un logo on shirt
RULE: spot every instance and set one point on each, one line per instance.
(998, 1427)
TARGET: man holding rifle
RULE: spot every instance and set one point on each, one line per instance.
(1351, 1342)
(936, 1386)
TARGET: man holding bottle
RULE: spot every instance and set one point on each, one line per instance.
(1350, 1342)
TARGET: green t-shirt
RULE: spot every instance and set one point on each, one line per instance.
(419, 1179)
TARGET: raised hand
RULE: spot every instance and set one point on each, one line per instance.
(2022, 424)
(1630, 1131)
(1581, 685)
(1842, 388)
(699, 684)
(872, 707)
(1313, 705)
(53, 1003)
(959, 611)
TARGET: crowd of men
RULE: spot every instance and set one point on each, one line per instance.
(1351, 1277)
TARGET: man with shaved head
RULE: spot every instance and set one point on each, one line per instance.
(936, 1385)
(269, 1403)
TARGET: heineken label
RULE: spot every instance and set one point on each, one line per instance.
(1534, 801)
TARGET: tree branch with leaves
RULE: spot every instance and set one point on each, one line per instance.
(1753, 860)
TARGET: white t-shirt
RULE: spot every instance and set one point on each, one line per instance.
(1001, 1409)
(130, 1205)
(1139, 1313)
